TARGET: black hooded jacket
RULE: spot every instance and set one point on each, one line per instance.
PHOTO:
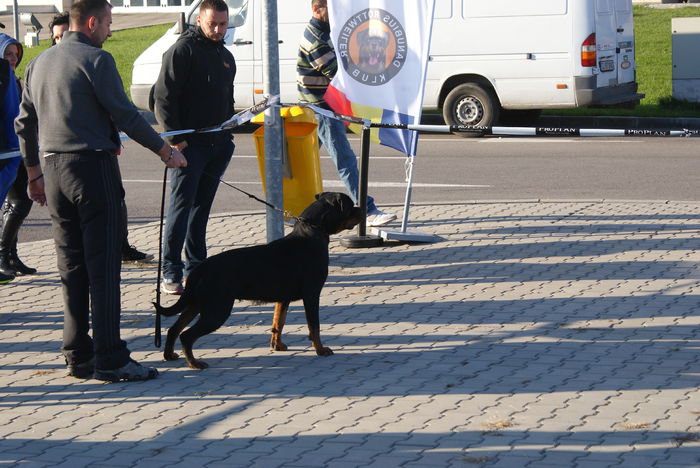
(195, 87)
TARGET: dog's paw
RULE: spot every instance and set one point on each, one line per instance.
(170, 356)
(278, 346)
(323, 351)
(197, 364)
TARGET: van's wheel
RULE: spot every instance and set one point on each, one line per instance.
(471, 104)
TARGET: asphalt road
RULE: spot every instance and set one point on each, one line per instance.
(448, 169)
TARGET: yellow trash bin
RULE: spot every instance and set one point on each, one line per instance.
(302, 172)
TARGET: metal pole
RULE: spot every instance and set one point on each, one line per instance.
(409, 192)
(15, 19)
(362, 240)
(273, 122)
(364, 172)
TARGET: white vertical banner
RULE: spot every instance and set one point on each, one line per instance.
(382, 48)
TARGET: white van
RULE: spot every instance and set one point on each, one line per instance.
(491, 61)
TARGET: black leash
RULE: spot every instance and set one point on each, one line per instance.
(160, 257)
(285, 213)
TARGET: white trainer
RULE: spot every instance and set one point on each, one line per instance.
(379, 218)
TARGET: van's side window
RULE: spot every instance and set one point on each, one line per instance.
(237, 13)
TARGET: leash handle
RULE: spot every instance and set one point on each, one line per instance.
(157, 336)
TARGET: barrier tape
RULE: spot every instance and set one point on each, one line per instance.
(333, 115)
(236, 120)
(512, 131)
(247, 115)
(544, 131)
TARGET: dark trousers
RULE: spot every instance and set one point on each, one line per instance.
(125, 227)
(18, 191)
(84, 194)
(15, 209)
(192, 193)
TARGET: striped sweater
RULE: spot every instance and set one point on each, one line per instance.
(316, 63)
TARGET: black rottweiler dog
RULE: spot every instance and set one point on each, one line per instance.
(288, 269)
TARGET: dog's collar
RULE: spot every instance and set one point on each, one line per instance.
(308, 223)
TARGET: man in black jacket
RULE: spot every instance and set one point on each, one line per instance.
(195, 90)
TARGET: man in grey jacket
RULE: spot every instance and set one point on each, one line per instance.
(72, 104)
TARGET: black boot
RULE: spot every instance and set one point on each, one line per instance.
(14, 213)
(4, 278)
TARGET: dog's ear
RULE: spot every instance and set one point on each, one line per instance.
(338, 199)
(344, 202)
(332, 198)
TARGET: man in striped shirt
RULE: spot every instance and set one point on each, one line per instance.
(316, 67)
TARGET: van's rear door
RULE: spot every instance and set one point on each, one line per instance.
(606, 43)
(624, 22)
(615, 42)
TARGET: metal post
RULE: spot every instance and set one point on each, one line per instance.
(273, 122)
(15, 19)
(364, 172)
(362, 240)
(404, 235)
(409, 193)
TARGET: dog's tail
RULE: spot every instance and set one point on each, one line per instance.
(174, 309)
(187, 295)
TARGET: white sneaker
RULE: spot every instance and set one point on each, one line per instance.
(379, 218)
(171, 287)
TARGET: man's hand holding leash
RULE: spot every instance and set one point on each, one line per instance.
(172, 157)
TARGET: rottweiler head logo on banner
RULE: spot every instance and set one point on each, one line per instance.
(372, 46)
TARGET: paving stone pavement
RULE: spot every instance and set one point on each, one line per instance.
(534, 334)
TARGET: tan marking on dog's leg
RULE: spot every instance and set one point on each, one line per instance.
(278, 319)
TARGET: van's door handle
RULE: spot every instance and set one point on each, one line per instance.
(281, 42)
(242, 42)
(620, 30)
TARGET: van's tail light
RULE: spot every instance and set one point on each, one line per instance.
(588, 52)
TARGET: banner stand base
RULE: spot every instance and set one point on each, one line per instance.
(361, 242)
(405, 236)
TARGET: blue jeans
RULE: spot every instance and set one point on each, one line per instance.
(331, 134)
(192, 193)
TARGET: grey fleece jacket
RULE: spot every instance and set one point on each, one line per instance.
(73, 98)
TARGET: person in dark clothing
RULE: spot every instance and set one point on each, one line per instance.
(72, 107)
(17, 204)
(9, 106)
(195, 90)
(57, 26)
